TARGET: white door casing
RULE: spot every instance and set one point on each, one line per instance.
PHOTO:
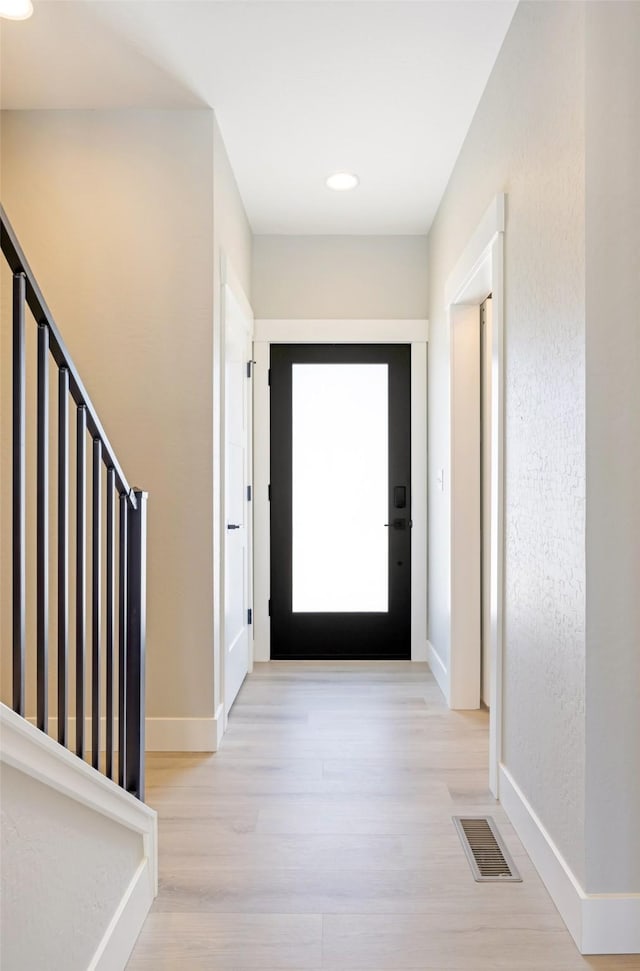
(236, 540)
(486, 338)
(414, 332)
(478, 273)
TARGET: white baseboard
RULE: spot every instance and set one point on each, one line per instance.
(221, 724)
(120, 937)
(161, 734)
(184, 734)
(419, 652)
(438, 670)
(598, 923)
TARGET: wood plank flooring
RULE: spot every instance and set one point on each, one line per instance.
(320, 837)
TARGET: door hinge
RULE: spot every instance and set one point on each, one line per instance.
(269, 492)
(269, 377)
(249, 616)
(248, 493)
(249, 363)
(269, 608)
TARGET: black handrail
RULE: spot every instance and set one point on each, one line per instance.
(131, 578)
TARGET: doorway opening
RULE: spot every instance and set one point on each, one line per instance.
(333, 336)
(476, 536)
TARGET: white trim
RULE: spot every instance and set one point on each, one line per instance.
(470, 262)
(266, 332)
(120, 937)
(161, 734)
(218, 473)
(228, 278)
(419, 652)
(438, 670)
(37, 755)
(185, 734)
(478, 272)
(419, 552)
(341, 331)
(232, 292)
(497, 511)
(220, 720)
(610, 923)
(30, 751)
(465, 534)
(207, 738)
(261, 520)
(598, 923)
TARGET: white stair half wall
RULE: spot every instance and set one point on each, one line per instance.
(79, 858)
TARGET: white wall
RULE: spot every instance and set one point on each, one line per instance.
(341, 277)
(527, 139)
(115, 212)
(65, 869)
(613, 447)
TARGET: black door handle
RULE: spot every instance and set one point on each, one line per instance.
(233, 526)
(398, 524)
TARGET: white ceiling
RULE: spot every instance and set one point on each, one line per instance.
(386, 89)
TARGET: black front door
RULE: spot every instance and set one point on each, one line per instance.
(340, 501)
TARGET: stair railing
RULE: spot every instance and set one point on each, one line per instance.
(124, 591)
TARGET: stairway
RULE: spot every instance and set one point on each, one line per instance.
(78, 844)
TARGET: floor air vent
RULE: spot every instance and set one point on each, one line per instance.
(488, 856)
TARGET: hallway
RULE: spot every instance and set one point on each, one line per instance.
(320, 836)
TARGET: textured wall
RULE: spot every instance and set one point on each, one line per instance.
(613, 447)
(65, 869)
(115, 212)
(325, 277)
(527, 139)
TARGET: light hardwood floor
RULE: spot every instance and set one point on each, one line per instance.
(320, 836)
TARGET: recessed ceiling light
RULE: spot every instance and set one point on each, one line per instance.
(342, 181)
(16, 9)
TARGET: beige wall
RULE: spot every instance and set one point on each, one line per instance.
(115, 212)
(340, 277)
(527, 140)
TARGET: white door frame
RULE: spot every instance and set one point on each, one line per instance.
(267, 332)
(478, 272)
(228, 283)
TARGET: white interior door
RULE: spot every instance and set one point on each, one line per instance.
(238, 328)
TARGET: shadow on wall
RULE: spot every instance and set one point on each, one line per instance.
(106, 71)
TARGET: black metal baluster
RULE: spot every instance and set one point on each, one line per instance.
(19, 493)
(111, 614)
(131, 581)
(63, 550)
(137, 616)
(96, 577)
(42, 651)
(81, 573)
(123, 585)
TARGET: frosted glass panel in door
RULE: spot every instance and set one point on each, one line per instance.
(340, 488)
